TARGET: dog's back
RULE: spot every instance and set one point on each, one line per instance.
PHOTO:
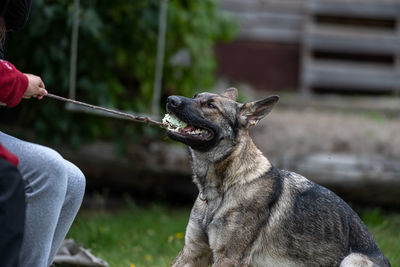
(311, 226)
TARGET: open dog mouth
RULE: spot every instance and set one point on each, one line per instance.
(184, 129)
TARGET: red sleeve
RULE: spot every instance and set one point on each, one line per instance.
(13, 84)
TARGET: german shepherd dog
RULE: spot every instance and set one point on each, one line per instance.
(249, 213)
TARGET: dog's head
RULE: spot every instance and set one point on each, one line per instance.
(209, 121)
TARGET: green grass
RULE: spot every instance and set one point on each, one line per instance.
(152, 236)
(134, 236)
(385, 227)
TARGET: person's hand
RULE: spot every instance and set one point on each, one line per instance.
(35, 88)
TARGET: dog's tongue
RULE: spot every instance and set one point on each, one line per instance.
(189, 128)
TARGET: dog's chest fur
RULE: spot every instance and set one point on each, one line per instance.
(220, 217)
(262, 197)
(224, 207)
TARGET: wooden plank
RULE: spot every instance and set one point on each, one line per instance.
(270, 34)
(365, 8)
(269, 19)
(288, 6)
(351, 39)
(268, 26)
(343, 74)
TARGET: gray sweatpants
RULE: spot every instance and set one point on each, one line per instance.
(54, 190)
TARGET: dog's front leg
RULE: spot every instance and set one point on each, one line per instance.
(221, 260)
(188, 257)
(226, 262)
(195, 252)
(233, 235)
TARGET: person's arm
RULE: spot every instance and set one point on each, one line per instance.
(14, 85)
(17, 14)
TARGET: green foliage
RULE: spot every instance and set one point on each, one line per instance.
(116, 59)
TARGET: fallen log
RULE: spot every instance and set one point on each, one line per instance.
(162, 171)
(362, 179)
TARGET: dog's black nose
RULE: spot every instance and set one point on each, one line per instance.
(174, 101)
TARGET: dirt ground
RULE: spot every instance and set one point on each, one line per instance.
(296, 132)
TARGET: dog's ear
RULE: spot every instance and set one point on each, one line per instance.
(252, 112)
(230, 93)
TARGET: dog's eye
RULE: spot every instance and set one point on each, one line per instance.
(211, 105)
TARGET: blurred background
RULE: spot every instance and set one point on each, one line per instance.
(335, 64)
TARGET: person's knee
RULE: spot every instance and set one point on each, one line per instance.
(76, 182)
(57, 177)
(53, 175)
(78, 179)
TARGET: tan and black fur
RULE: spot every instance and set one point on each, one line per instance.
(249, 213)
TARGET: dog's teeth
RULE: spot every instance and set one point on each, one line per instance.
(197, 132)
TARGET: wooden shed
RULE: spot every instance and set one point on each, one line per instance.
(314, 45)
